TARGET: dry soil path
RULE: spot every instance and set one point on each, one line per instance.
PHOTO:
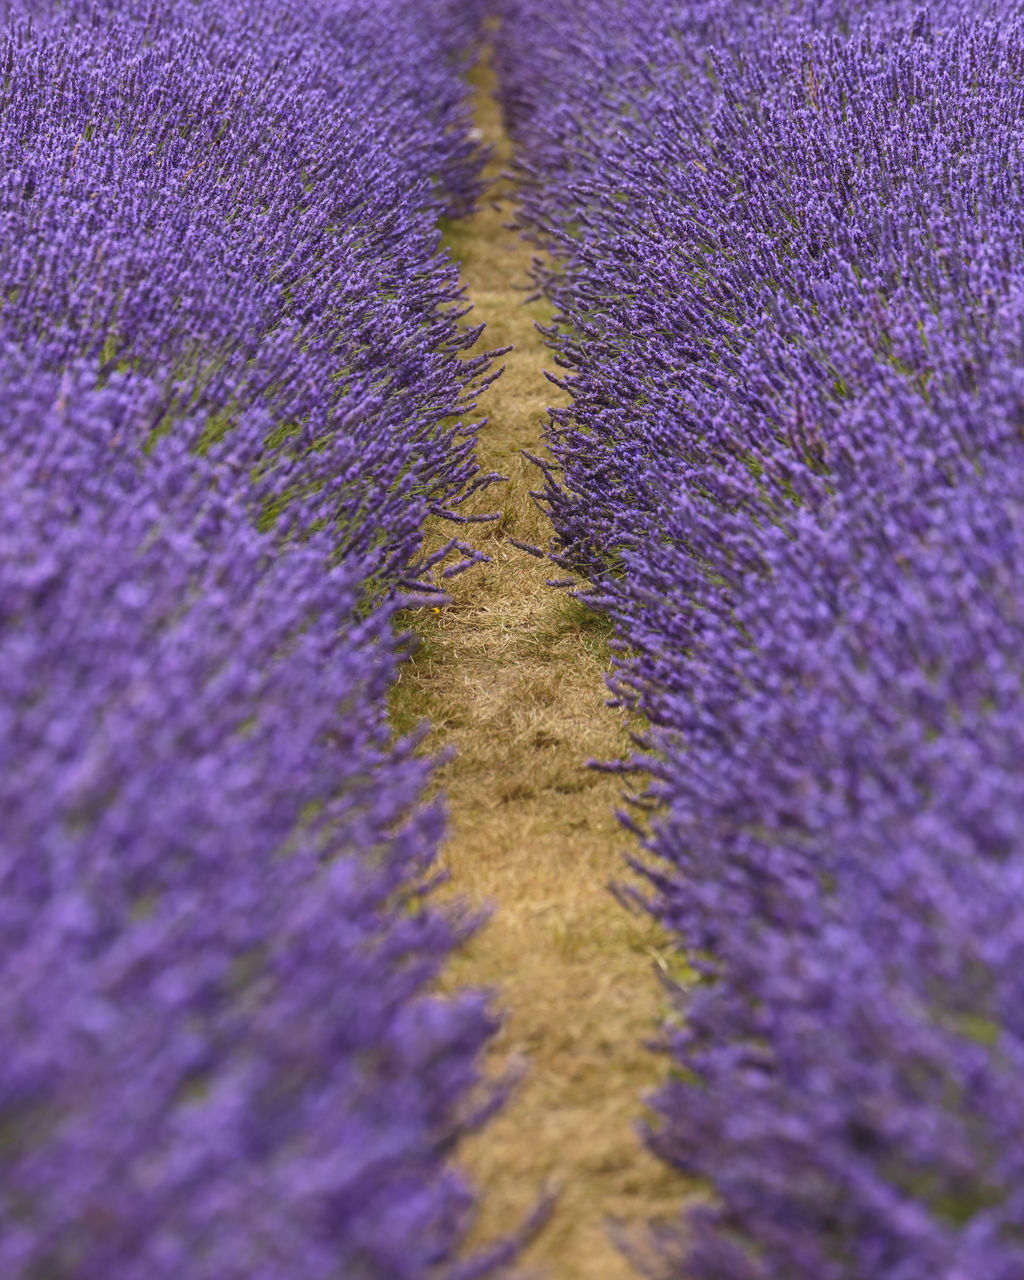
(510, 674)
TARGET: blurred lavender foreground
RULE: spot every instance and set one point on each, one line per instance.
(231, 391)
(788, 250)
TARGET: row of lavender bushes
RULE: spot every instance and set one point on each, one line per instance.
(787, 256)
(233, 387)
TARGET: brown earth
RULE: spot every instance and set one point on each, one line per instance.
(511, 674)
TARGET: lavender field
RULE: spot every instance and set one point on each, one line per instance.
(247, 468)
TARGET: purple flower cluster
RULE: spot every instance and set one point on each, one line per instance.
(232, 386)
(788, 263)
(234, 205)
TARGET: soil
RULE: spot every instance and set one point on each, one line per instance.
(511, 675)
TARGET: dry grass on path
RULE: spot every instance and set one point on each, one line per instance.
(511, 674)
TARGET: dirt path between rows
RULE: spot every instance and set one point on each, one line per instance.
(510, 674)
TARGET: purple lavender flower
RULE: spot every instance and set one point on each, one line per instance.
(231, 390)
(785, 257)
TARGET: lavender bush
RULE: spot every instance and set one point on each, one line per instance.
(154, 225)
(232, 388)
(224, 1057)
(786, 261)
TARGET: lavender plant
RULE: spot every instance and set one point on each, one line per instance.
(232, 388)
(154, 226)
(223, 1056)
(785, 258)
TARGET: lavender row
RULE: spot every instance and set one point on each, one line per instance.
(240, 204)
(232, 386)
(787, 265)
